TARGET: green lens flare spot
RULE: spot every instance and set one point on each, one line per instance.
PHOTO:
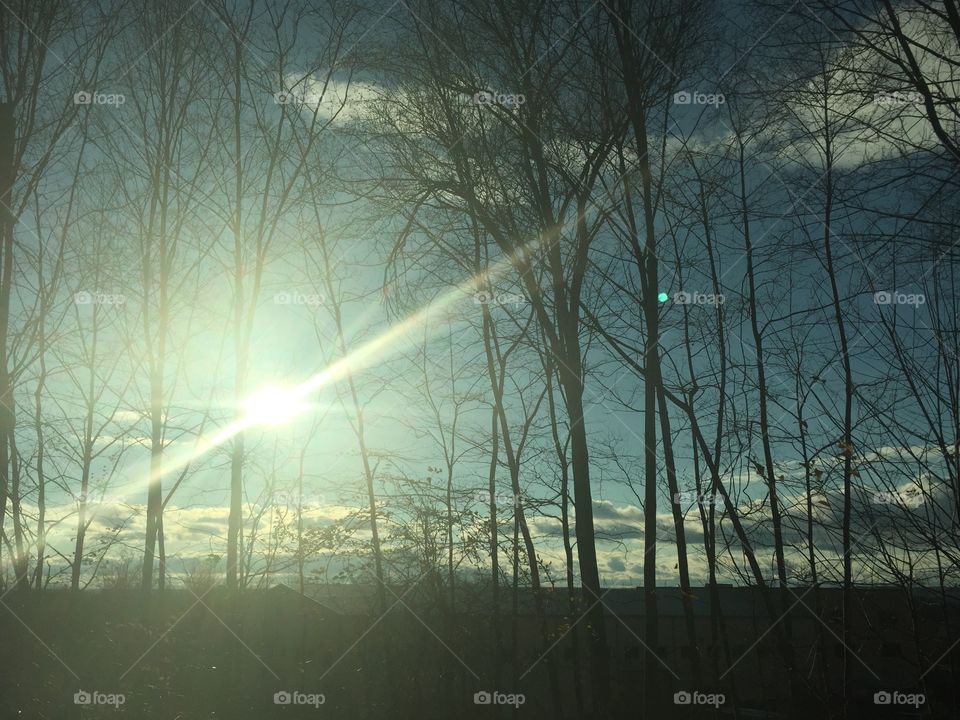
(663, 297)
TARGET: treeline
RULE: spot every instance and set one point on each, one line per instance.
(566, 251)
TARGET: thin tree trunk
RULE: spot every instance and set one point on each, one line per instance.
(7, 224)
(847, 443)
(786, 644)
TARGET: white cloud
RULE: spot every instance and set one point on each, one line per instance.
(349, 102)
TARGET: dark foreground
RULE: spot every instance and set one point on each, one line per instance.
(275, 654)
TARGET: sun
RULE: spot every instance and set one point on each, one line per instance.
(274, 405)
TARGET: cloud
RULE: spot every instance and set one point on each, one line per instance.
(606, 510)
(888, 103)
(616, 564)
(348, 102)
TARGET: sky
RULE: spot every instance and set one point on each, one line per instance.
(293, 341)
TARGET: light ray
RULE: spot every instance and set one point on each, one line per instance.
(364, 356)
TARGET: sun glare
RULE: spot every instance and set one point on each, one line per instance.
(274, 405)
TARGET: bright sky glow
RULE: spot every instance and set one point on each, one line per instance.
(275, 406)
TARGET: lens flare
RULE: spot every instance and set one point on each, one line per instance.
(274, 405)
